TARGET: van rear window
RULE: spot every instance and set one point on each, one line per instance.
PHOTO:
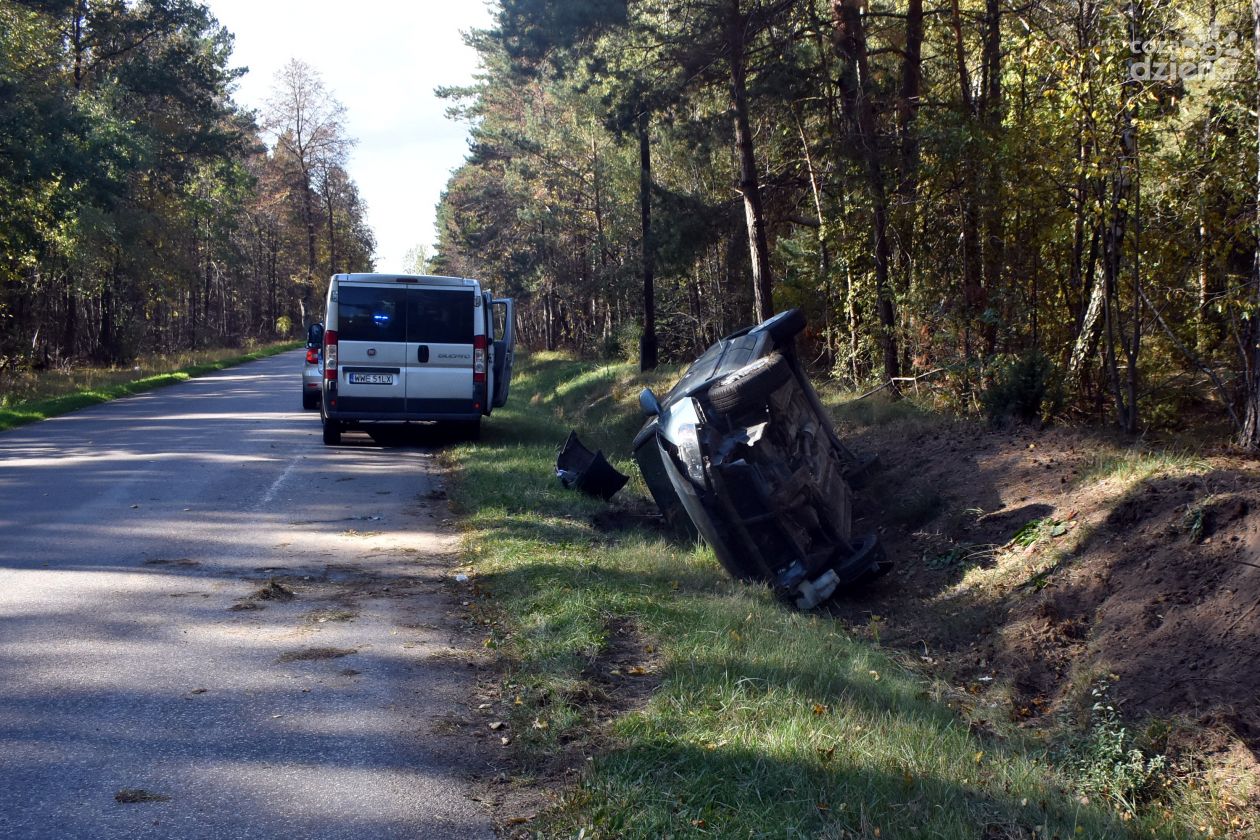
(438, 316)
(370, 314)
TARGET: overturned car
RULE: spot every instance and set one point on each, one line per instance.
(742, 448)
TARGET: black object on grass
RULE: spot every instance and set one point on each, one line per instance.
(579, 468)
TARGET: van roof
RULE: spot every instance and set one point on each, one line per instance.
(427, 279)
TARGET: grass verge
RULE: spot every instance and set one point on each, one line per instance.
(685, 704)
(43, 395)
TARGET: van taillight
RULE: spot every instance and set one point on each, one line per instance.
(479, 358)
(330, 354)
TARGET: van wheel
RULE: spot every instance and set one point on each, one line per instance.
(472, 429)
(332, 433)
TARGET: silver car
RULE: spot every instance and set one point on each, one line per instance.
(313, 368)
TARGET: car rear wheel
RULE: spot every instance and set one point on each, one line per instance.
(749, 386)
(310, 401)
(332, 433)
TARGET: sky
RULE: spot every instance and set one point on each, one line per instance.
(382, 59)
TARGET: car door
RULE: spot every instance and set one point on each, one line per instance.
(439, 369)
(504, 312)
(371, 345)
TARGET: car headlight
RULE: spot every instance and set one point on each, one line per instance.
(680, 430)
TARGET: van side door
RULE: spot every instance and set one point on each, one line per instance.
(504, 308)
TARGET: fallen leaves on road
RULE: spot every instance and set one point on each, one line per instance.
(272, 590)
(316, 653)
(130, 796)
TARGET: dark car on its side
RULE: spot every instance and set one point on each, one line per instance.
(743, 450)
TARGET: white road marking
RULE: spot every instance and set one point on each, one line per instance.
(275, 485)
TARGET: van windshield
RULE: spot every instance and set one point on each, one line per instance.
(438, 316)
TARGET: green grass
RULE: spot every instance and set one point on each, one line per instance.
(761, 721)
(40, 395)
(1131, 466)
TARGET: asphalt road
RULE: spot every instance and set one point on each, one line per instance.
(140, 658)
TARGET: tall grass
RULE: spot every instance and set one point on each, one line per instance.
(1130, 466)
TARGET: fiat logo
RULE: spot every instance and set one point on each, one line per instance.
(372, 351)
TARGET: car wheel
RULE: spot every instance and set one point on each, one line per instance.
(787, 327)
(310, 401)
(749, 386)
(332, 433)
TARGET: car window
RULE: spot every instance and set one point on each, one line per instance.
(438, 316)
(370, 314)
(726, 356)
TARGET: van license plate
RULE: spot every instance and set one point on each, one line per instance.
(371, 379)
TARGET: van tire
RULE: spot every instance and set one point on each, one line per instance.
(332, 433)
(472, 429)
(749, 386)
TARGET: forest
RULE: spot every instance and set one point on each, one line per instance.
(1031, 207)
(141, 209)
(1037, 207)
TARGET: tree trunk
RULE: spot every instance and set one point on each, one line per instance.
(749, 185)
(70, 336)
(78, 19)
(207, 285)
(850, 43)
(1250, 437)
(974, 298)
(993, 249)
(1124, 205)
(647, 344)
(332, 227)
(907, 189)
(824, 255)
(309, 213)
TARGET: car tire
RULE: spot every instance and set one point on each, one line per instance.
(749, 386)
(787, 327)
(310, 401)
(332, 433)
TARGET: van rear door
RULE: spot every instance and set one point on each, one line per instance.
(504, 312)
(439, 369)
(371, 333)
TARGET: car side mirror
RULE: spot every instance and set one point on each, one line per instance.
(649, 403)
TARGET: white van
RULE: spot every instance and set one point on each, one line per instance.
(403, 347)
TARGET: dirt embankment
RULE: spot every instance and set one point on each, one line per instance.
(1040, 562)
